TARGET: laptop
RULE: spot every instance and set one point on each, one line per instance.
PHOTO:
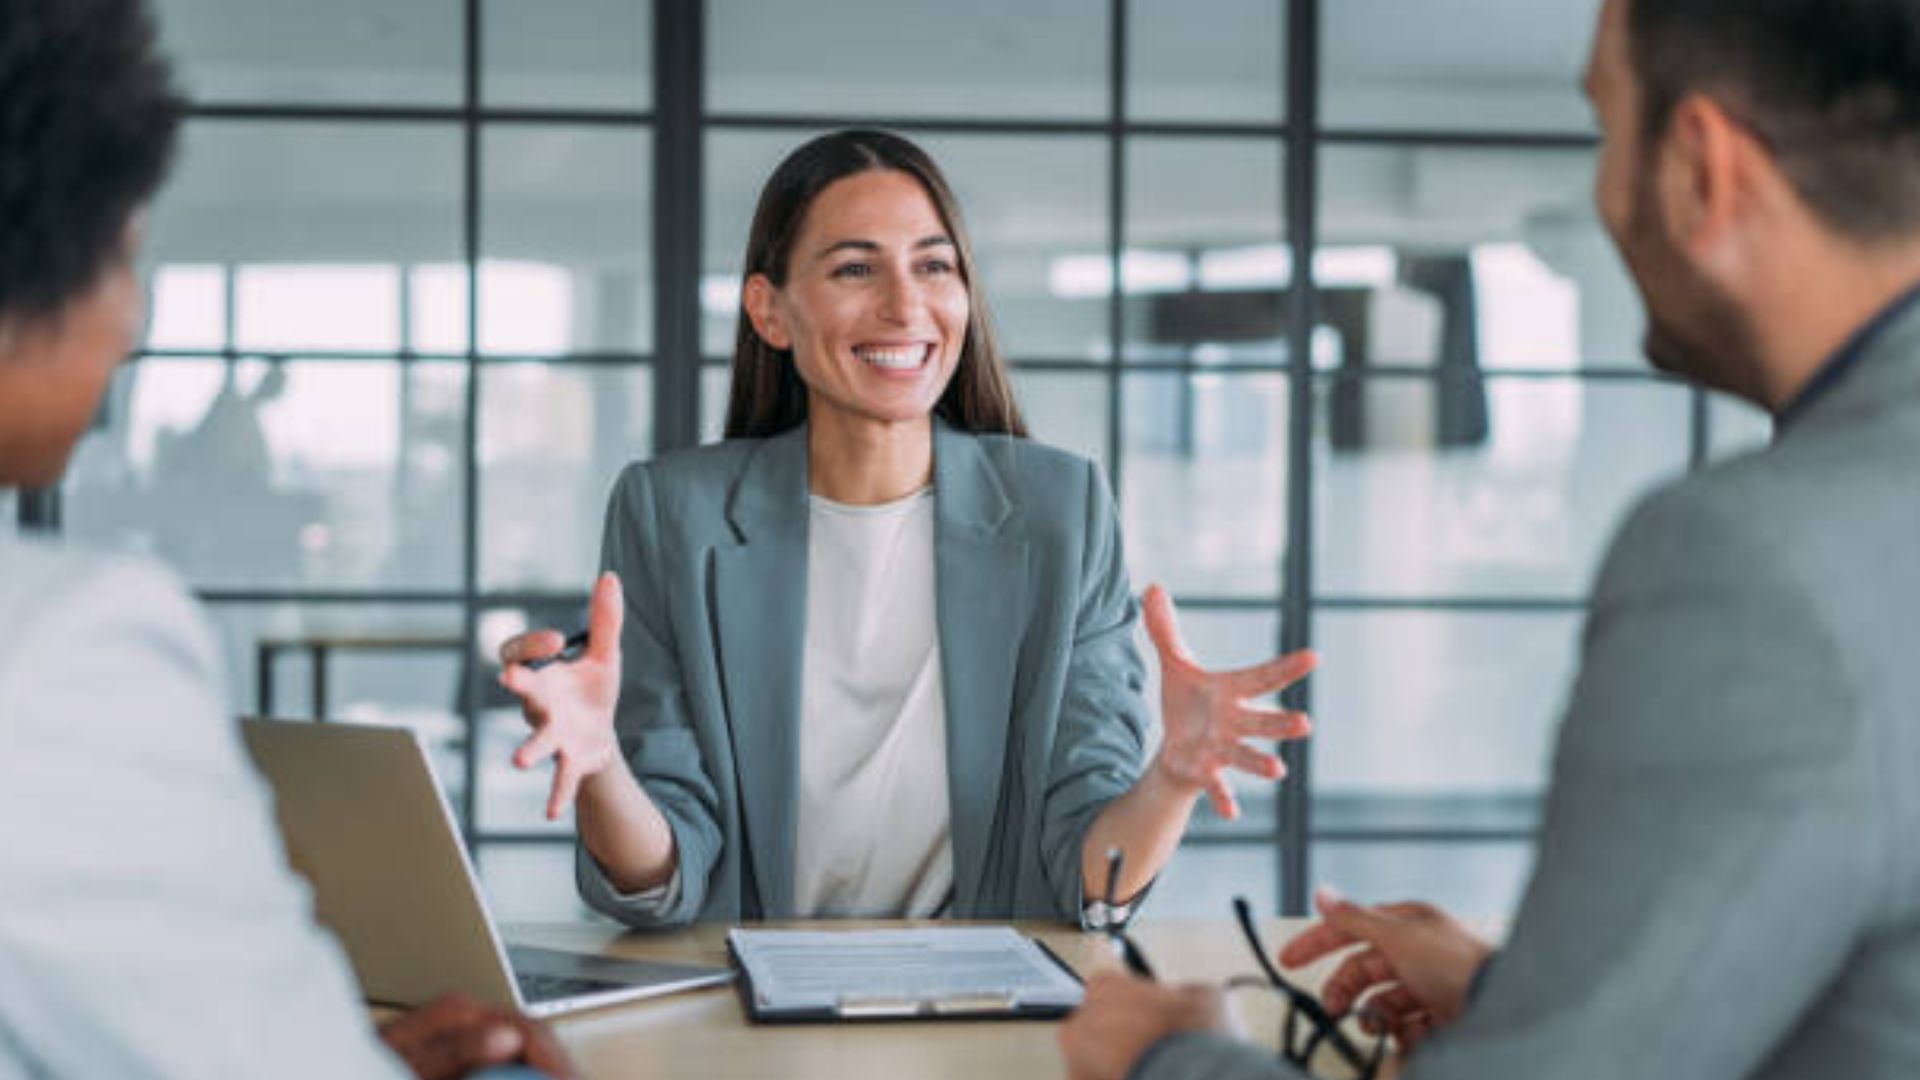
(365, 823)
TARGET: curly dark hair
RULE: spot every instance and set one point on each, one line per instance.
(88, 114)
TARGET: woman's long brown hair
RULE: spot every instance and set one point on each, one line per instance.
(767, 395)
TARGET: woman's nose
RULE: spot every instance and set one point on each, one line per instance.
(900, 297)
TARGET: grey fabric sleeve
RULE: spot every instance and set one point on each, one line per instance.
(1206, 1055)
(656, 734)
(1103, 725)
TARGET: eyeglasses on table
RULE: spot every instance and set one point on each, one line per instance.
(1306, 1026)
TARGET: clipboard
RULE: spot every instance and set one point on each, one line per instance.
(929, 973)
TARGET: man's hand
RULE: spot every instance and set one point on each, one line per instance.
(570, 705)
(1414, 971)
(1122, 1016)
(1206, 717)
(455, 1035)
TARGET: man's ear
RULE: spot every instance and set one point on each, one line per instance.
(761, 301)
(1707, 166)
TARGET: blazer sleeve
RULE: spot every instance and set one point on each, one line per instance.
(656, 733)
(1710, 855)
(1102, 734)
(149, 924)
(1211, 1056)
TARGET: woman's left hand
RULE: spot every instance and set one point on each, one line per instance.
(1206, 715)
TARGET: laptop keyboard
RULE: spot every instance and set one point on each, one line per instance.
(554, 987)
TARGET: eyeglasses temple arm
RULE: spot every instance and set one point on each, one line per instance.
(1300, 998)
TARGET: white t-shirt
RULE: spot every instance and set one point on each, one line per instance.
(874, 830)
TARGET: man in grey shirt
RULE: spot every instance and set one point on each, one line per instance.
(149, 925)
(1728, 883)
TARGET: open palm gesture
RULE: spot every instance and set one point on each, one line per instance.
(1206, 715)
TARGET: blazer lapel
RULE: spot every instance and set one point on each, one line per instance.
(980, 570)
(760, 612)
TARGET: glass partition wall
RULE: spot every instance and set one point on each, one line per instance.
(429, 273)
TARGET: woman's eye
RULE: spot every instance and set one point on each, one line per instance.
(936, 266)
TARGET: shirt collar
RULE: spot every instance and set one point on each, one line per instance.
(1845, 360)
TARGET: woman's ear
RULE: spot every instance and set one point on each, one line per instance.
(761, 301)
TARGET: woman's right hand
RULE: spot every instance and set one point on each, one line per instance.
(570, 704)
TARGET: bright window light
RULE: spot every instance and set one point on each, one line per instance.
(720, 294)
(1262, 266)
(188, 308)
(437, 308)
(296, 306)
(1083, 276)
(525, 308)
(1361, 266)
(1529, 316)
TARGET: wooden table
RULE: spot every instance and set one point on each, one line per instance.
(706, 1034)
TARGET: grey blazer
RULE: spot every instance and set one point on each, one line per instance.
(1728, 881)
(1046, 719)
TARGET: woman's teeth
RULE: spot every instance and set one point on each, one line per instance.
(895, 359)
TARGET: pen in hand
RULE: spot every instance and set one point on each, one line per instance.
(575, 645)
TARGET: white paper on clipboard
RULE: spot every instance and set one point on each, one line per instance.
(931, 971)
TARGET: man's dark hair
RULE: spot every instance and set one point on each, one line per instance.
(87, 121)
(1831, 86)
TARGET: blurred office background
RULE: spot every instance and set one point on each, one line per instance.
(1317, 283)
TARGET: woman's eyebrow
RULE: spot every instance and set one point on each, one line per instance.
(870, 247)
(847, 245)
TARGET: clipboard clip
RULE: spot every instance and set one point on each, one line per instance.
(856, 1007)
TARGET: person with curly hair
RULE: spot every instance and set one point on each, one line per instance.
(149, 925)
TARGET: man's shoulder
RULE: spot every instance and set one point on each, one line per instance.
(1802, 496)
(1817, 529)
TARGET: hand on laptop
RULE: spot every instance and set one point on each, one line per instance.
(1418, 964)
(570, 704)
(455, 1036)
(1206, 715)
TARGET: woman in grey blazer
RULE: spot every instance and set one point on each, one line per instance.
(873, 654)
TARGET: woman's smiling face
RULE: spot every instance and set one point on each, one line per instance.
(875, 307)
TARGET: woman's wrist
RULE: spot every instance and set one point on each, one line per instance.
(1163, 781)
(623, 828)
(604, 787)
